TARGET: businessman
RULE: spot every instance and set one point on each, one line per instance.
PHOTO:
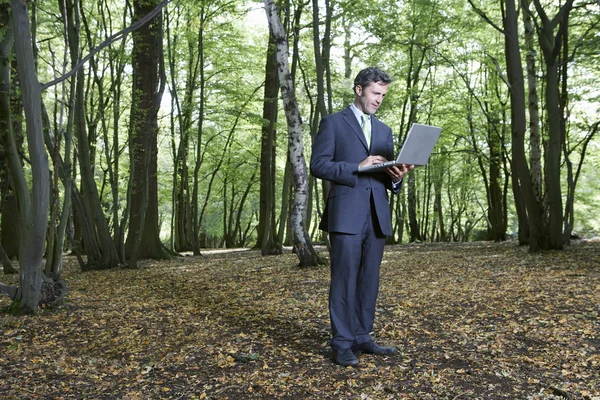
(357, 213)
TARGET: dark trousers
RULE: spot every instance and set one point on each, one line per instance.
(355, 262)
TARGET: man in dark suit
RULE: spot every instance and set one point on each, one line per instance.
(357, 214)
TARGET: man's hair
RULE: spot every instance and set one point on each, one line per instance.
(371, 75)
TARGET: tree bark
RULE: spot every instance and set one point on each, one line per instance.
(183, 220)
(535, 151)
(551, 49)
(267, 233)
(143, 240)
(302, 243)
(34, 209)
(196, 218)
(16, 178)
(89, 191)
(537, 236)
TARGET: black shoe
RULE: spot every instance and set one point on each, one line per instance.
(371, 347)
(345, 358)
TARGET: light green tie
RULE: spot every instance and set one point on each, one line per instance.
(366, 128)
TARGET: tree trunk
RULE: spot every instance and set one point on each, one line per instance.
(196, 219)
(10, 229)
(438, 208)
(181, 226)
(111, 151)
(34, 209)
(551, 49)
(415, 231)
(302, 243)
(89, 191)
(537, 238)
(183, 217)
(285, 203)
(267, 233)
(143, 240)
(535, 152)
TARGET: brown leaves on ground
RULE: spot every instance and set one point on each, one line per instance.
(472, 321)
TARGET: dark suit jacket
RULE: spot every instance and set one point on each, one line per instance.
(338, 148)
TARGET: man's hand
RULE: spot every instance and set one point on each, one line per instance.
(372, 160)
(397, 172)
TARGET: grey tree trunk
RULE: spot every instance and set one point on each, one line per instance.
(535, 151)
(551, 49)
(285, 203)
(10, 211)
(537, 234)
(148, 86)
(302, 243)
(181, 226)
(267, 227)
(89, 191)
(34, 209)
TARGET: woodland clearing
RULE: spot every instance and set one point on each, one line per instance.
(472, 321)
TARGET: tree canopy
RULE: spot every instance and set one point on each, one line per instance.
(169, 135)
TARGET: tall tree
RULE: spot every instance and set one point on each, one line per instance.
(522, 181)
(182, 99)
(520, 168)
(148, 87)
(267, 227)
(91, 205)
(33, 205)
(302, 242)
(535, 151)
(9, 228)
(552, 36)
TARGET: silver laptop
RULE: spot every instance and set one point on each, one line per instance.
(417, 148)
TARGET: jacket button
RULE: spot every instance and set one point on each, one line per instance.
(368, 188)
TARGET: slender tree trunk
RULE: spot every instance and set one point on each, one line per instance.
(411, 101)
(61, 169)
(10, 208)
(415, 231)
(34, 209)
(551, 49)
(267, 233)
(537, 239)
(201, 86)
(181, 226)
(285, 202)
(302, 243)
(535, 152)
(322, 50)
(89, 190)
(10, 214)
(111, 150)
(438, 208)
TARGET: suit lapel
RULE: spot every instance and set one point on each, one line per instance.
(351, 120)
(374, 132)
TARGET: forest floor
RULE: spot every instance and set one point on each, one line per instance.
(471, 321)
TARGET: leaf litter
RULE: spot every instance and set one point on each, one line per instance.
(471, 321)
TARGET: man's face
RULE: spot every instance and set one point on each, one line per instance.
(368, 99)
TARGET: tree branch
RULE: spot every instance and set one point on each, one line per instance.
(5, 261)
(499, 70)
(565, 9)
(486, 18)
(8, 290)
(148, 17)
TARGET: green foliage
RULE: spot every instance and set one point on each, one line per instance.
(448, 68)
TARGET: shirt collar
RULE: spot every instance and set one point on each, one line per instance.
(357, 113)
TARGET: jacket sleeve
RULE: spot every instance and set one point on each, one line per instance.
(395, 189)
(323, 162)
